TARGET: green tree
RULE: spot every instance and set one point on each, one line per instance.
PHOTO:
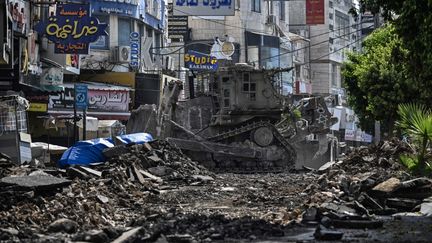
(413, 23)
(377, 80)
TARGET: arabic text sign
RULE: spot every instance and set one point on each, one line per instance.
(204, 7)
(128, 8)
(72, 27)
(81, 96)
(109, 100)
(197, 61)
(98, 100)
(315, 11)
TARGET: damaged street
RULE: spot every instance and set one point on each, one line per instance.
(165, 197)
(171, 121)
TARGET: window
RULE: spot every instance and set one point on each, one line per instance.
(249, 86)
(331, 4)
(334, 75)
(330, 15)
(124, 30)
(256, 6)
(282, 10)
(103, 41)
(342, 25)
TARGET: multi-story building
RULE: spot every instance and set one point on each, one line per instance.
(112, 66)
(329, 42)
(259, 31)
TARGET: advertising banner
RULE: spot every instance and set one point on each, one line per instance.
(315, 10)
(72, 28)
(199, 61)
(98, 100)
(204, 7)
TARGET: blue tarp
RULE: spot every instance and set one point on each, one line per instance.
(85, 152)
(91, 151)
(137, 138)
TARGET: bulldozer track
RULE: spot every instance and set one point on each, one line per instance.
(289, 165)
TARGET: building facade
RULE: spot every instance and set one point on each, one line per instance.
(44, 70)
(258, 30)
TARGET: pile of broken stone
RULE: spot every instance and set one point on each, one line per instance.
(368, 183)
(110, 201)
(51, 202)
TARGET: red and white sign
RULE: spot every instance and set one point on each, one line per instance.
(315, 10)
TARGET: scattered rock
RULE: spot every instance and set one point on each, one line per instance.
(63, 225)
(38, 182)
(128, 236)
(387, 186)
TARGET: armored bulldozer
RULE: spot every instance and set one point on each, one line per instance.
(240, 123)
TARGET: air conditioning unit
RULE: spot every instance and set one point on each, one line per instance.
(272, 19)
(124, 54)
(169, 63)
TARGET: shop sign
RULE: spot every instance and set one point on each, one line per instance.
(135, 49)
(72, 28)
(178, 26)
(120, 7)
(52, 76)
(38, 107)
(99, 100)
(315, 12)
(81, 96)
(222, 50)
(204, 7)
(198, 61)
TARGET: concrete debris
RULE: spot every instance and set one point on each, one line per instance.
(323, 233)
(372, 182)
(63, 225)
(36, 182)
(154, 193)
(387, 186)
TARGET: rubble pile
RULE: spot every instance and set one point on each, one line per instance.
(106, 195)
(155, 160)
(369, 182)
(179, 227)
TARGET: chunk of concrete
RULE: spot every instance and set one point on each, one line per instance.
(386, 187)
(128, 236)
(357, 224)
(63, 225)
(203, 178)
(323, 233)
(36, 182)
(310, 214)
(426, 209)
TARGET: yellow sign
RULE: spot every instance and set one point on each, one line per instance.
(38, 107)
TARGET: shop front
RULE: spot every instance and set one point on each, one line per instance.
(105, 102)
